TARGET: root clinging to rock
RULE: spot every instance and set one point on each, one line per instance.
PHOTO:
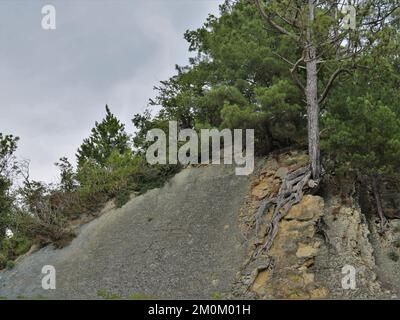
(290, 193)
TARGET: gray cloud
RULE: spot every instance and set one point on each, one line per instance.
(55, 84)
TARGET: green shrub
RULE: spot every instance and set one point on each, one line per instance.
(10, 264)
(5, 245)
(3, 261)
(140, 296)
(393, 256)
(37, 297)
(121, 175)
(217, 296)
(22, 244)
(396, 243)
(11, 248)
(101, 183)
(122, 198)
(108, 295)
(51, 229)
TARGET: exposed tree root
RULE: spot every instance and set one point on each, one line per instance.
(268, 265)
(290, 193)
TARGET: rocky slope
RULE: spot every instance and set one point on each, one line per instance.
(317, 239)
(180, 241)
(199, 237)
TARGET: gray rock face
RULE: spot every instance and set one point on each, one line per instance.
(180, 241)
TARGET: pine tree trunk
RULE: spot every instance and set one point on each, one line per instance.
(312, 98)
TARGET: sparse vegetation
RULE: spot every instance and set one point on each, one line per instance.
(11, 248)
(396, 243)
(140, 296)
(107, 169)
(104, 294)
(393, 255)
(36, 297)
(217, 296)
(3, 261)
(10, 264)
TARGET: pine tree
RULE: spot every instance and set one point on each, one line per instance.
(106, 137)
(329, 44)
(362, 134)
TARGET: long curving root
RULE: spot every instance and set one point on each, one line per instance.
(290, 193)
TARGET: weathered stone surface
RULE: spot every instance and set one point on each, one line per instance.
(266, 186)
(348, 243)
(309, 208)
(319, 293)
(261, 190)
(282, 172)
(259, 284)
(308, 278)
(306, 251)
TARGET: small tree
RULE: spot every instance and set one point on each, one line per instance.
(67, 175)
(8, 146)
(106, 137)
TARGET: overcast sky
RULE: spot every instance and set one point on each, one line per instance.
(54, 84)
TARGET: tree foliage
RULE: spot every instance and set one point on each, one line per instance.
(362, 118)
(106, 136)
(8, 146)
(235, 79)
